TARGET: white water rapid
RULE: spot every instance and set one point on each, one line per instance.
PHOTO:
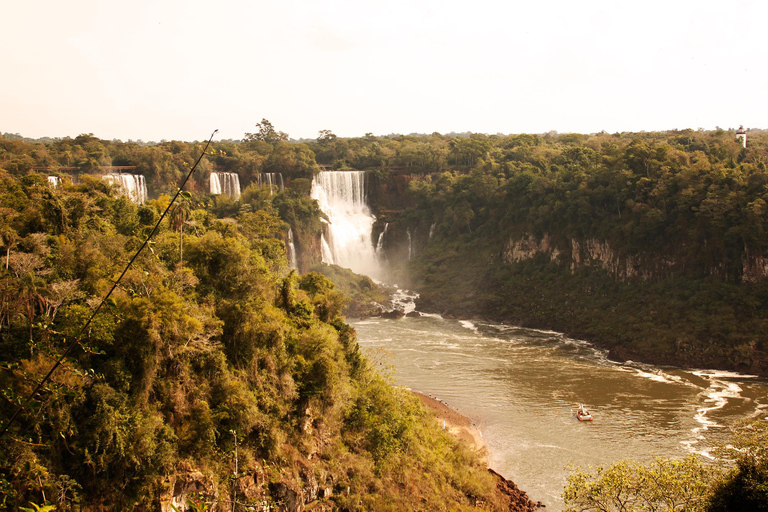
(132, 185)
(521, 387)
(227, 183)
(347, 241)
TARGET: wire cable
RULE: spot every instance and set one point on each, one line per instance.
(76, 341)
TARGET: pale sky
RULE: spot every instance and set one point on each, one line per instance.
(174, 69)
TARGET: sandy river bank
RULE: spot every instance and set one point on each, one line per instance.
(465, 430)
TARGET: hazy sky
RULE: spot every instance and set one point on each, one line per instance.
(173, 69)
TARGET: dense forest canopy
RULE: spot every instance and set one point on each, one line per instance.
(650, 244)
(213, 374)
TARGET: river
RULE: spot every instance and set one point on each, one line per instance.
(522, 388)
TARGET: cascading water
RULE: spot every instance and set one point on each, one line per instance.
(132, 185)
(347, 241)
(226, 183)
(270, 179)
(292, 250)
(380, 242)
(54, 181)
(410, 244)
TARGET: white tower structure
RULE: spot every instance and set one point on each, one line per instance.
(741, 133)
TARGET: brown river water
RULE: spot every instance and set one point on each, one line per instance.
(522, 388)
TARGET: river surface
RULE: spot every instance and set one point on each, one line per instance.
(522, 387)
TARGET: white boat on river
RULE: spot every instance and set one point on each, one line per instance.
(519, 386)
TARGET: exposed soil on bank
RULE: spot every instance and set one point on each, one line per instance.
(465, 430)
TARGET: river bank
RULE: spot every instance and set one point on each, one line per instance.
(644, 323)
(463, 428)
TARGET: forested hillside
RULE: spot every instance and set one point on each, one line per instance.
(651, 244)
(213, 375)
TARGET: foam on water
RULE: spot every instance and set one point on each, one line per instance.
(651, 373)
(714, 398)
(520, 385)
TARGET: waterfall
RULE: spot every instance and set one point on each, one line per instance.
(226, 183)
(54, 181)
(432, 229)
(132, 185)
(292, 250)
(380, 242)
(271, 179)
(325, 250)
(410, 243)
(347, 239)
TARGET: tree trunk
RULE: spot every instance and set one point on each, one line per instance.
(181, 246)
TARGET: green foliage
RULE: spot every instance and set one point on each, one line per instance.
(267, 133)
(664, 484)
(746, 486)
(38, 508)
(358, 295)
(680, 484)
(198, 341)
(326, 300)
(665, 230)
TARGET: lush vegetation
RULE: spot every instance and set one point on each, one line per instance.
(364, 297)
(212, 359)
(689, 484)
(651, 244)
(213, 372)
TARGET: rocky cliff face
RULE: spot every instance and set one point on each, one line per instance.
(592, 252)
(308, 250)
(755, 266)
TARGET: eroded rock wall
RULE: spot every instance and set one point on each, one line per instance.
(592, 252)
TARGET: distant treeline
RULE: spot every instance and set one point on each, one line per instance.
(652, 244)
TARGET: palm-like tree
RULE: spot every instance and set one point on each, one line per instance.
(9, 238)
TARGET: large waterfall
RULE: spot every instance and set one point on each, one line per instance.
(132, 185)
(347, 241)
(226, 183)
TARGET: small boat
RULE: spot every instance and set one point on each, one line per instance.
(582, 414)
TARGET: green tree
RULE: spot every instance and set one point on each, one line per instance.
(624, 486)
(267, 133)
(180, 216)
(746, 486)
(326, 137)
(9, 237)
